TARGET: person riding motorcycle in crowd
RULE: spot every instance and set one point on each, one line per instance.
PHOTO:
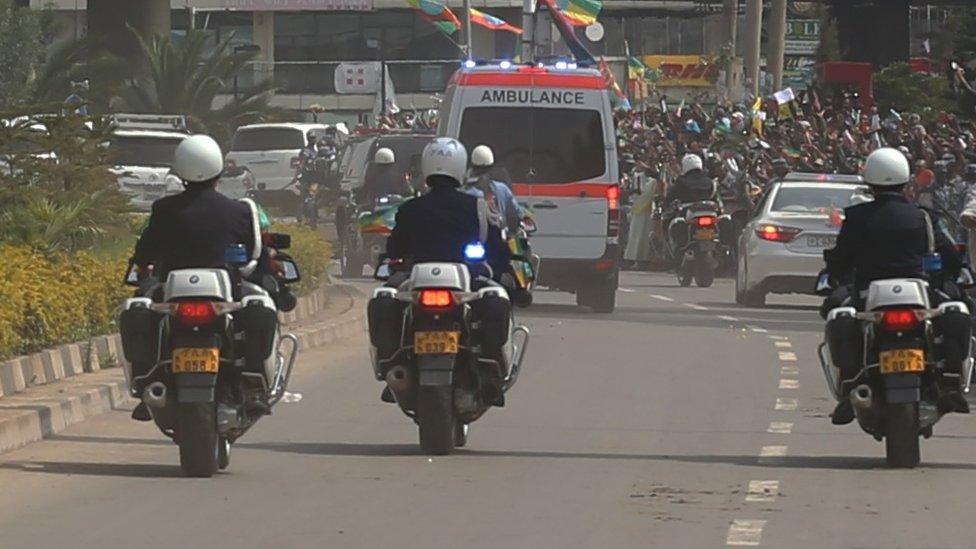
(693, 185)
(889, 238)
(383, 177)
(500, 198)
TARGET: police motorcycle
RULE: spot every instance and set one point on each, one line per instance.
(901, 391)
(216, 356)
(365, 231)
(694, 241)
(441, 374)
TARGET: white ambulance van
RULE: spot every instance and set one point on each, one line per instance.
(552, 128)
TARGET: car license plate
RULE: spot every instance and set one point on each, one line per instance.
(436, 343)
(704, 234)
(194, 360)
(899, 361)
(821, 241)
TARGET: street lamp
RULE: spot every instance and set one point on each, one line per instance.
(244, 48)
(374, 44)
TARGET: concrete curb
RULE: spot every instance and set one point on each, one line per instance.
(40, 408)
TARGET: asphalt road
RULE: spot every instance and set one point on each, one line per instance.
(680, 421)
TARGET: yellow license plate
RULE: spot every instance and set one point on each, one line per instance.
(704, 234)
(436, 343)
(899, 361)
(196, 360)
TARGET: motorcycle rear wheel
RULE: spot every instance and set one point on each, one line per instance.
(196, 429)
(901, 435)
(704, 274)
(435, 419)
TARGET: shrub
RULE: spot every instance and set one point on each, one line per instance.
(311, 251)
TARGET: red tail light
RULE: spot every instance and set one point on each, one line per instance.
(899, 320)
(706, 221)
(775, 233)
(613, 212)
(436, 299)
(196, 313)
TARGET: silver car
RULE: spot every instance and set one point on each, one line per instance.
(781, 248)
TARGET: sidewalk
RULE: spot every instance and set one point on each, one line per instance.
(49, 403)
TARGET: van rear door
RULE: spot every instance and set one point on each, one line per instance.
(558, 155)
(270, 153)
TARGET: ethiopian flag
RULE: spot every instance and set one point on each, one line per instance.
(491, 22)
(581, 13)
(438, 14)
(636, 69)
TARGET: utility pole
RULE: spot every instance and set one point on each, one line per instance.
(777, 42)
(528, 30)
(468, 51)
(730, 12)
(753, 41)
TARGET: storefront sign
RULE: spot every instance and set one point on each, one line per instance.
(802, 36)
(683, 70)
(296, 5)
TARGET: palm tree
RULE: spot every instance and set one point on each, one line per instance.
(76, 60)
(186, 77)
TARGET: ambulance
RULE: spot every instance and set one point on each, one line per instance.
(551, 127)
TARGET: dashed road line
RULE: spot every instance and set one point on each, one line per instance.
(627, 290)
(789, 384)
(780, 427)
(291, 397)
(696, 306)
(789, 370)
(745, 532)
(768, 454)
(758, 330)
(728, 318)
(784, 344)
(778, 338)
(787, 356)
(785, 404)
(662, 297)
(762, 491)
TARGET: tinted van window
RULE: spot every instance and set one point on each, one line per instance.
(144, 151)
(268, 139)
(539, 145)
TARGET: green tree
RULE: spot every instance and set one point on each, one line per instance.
(898, 87)
(21, 49)
(829, 47)
(75, 60)
(186, 77)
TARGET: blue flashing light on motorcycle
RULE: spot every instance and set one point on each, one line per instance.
(474, 251)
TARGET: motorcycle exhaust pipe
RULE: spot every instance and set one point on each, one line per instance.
(862, 397)
(154, 396)
(399, 379)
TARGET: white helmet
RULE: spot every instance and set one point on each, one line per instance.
(690, 162)
(197, 159)
(445, 156)
(886, 167)
(384, 156)
(482, 157)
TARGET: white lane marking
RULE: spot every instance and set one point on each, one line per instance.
(696, 306)
(627, 290)
(769, 454)
(762, 490)
(785, 404)
(787, 356)
(662, 297)
(745, 532)
(291, 397)
(728, 318)
(783, 344)
(780, 427)
(779, 338)
(789, 384)
(789, 370)
(757, 329)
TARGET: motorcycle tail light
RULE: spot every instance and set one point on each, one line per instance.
(436, 299)
(776, 233)
(706, 221)
(899, 320)
(196, 313)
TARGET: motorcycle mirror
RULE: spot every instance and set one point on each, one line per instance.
(131, 275)
(289, 271)
(528, 224)
(278, 241)
(382, 272)
(824, 288)
(965, 279)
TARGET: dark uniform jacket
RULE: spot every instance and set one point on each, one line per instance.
(194, 229)
(692, 187)
(383, 180)
(438, 226)
(886, 238)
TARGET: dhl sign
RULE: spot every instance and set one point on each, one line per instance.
(683, 70)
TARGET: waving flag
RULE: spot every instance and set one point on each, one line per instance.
(438, 14)
(581, 13)
(565, 27)
(491, 22)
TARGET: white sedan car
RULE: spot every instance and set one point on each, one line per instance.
(781, 248)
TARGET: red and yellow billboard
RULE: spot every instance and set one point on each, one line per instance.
(683, 70)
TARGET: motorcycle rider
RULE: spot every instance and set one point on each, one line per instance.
(383, 178)
(437, 227)
(500, 198)
(888, 238)
(693, 185)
